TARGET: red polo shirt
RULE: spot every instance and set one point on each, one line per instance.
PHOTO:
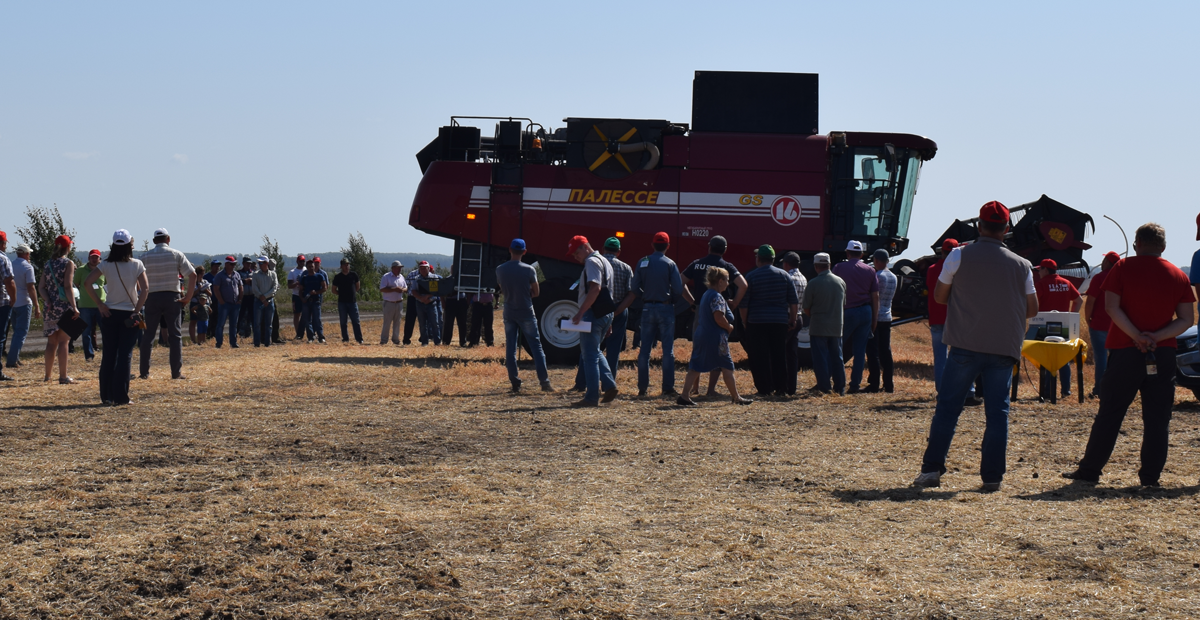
(1055, 294)
(1100, 319)
(1150, 289)
(937, 312)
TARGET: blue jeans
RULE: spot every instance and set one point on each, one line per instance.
(1100, 354)
(596, 373)
(612, 348)
(856, 330)
(20, 321)
(429, 317)
(310, 321)
(962, 367)
(658, 325)
(349, 310)
(528, 329)
(263, 314)
(228, 312)
(827, 362)
(91, 316)
(939, 353)
(939, 357)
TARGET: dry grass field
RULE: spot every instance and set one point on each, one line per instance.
(341, 481)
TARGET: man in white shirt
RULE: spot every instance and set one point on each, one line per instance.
(164, 266)
(26, 304)
(393, 287)
(293, 282)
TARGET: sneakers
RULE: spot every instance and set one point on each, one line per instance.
(546, 387)
(1081, 476)
(928, 480)
(609, 395)
(989, 487)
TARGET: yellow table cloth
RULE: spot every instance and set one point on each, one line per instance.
(1053, 355)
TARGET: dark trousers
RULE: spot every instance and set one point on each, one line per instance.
(246, 317)
(163, 308)
(454, 311)
(791, 357)
(1125, 377)
(879, 356)
(482, 316)
(410, 318)
(117, 355)
(767, 360)
(349, 310)
(276, 337)
(5, 311)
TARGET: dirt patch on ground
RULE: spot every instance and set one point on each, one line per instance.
(335, 481)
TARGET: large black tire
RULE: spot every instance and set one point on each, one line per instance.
(555, 302)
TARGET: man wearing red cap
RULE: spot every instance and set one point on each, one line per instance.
(659, 286)
(8, 292)
(1097, 318)
(88, 310)
(595, 283)
(1150, 303)
(937, 322)
(989, 294)
(293, 281)
(1056, 294)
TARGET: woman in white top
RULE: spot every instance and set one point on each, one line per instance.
(121, 322)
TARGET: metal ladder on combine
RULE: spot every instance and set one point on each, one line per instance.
(470, 267)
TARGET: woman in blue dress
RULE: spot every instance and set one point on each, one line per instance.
(710, 343)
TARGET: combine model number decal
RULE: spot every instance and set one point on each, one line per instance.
(750, 199)
(614, 197)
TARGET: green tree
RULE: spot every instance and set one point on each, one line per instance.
(44, 226)
(362, 262)
(270, 249)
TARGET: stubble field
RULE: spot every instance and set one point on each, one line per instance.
(334, 481)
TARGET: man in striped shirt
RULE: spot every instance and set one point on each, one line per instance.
(164, 267)
(879, 346)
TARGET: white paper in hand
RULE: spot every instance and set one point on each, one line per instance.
(582, 326)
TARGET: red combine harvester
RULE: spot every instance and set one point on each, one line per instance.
(751, 167)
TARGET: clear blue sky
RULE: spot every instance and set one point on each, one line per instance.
(226, 121)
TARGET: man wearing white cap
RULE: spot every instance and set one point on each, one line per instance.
(392, 286)
(263, 286)
(862, 309)
(25, 283)
(824, 298)
(164, 266)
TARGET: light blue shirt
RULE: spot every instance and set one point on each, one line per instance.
(23, 274)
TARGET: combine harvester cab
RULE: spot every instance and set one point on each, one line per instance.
(751, 167)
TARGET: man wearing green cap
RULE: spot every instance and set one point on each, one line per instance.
(615, 342)
(768, 311)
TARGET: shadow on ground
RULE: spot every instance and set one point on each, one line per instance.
(1076, 491)
(898, 494)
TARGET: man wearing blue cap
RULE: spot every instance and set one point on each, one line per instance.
(518, 282)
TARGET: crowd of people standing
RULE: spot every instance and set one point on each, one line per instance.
(981, 296)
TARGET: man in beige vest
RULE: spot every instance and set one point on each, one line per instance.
(989, 295)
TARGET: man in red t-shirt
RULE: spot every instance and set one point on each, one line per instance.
(1097, 317)
(1150, 302)
(1056, 293)
(937, 322)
